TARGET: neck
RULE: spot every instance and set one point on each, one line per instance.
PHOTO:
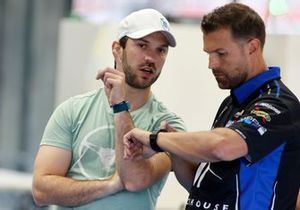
(137, 97)
(258, 66)
(262, 66)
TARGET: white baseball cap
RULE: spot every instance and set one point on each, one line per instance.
(143, 22)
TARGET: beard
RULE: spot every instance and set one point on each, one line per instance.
(232, 80)
(132, 79)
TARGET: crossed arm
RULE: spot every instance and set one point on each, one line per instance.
(51, 186)
(139, 173)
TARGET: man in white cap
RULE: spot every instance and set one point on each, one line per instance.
(80, 162)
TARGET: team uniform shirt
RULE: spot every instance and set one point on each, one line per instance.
(266, 114)
(84, 124)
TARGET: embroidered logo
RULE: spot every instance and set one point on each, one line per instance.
(264, 115)
(164, 24)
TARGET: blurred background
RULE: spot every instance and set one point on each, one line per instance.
(51, 50)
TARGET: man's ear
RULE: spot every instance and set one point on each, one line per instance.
(254, 46)
(116, 47)
(117, 51)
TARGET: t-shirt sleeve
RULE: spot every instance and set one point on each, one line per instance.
(58, 131)
(172, 119)
(265, 126)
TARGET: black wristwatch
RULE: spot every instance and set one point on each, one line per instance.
(153, 140)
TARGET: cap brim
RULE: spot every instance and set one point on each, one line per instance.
(142, 33)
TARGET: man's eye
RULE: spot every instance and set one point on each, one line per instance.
(163, 50)
(222, 53)
(142, 45)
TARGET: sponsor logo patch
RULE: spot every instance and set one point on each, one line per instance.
(262, 114)
(249, 120)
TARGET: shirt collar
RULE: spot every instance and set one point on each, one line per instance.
(242, 92)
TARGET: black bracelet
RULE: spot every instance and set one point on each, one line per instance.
(120, 107)
(153, 140)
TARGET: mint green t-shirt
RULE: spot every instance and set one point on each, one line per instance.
(84, 124)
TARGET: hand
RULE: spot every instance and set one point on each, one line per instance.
(165, 125)
(136, 145)
(114, 81)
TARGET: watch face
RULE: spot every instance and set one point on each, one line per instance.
(153, 141)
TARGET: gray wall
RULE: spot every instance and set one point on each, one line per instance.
(28, 37)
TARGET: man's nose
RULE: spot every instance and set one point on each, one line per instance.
(213, 62)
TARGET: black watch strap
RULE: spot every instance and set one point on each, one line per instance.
(153, 140)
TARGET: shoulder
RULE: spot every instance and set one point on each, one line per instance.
(277, 98)
(162, 113)
(81, 99)
(157, 104)
(77, 103)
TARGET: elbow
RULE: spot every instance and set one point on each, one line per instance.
(39, 197)
(133, 187)
(221, 152)
(228, 145)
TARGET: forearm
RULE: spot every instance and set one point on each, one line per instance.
(192, 146)
(135, 174)
(123, 123)
(63, 191)
(221, 144)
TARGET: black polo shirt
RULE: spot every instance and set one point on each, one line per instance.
(267, 116)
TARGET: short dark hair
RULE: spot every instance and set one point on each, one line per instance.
(243, 22)
(123, 41)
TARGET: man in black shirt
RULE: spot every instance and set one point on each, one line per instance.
(250, 159)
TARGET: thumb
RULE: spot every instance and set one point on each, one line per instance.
(165, 125)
